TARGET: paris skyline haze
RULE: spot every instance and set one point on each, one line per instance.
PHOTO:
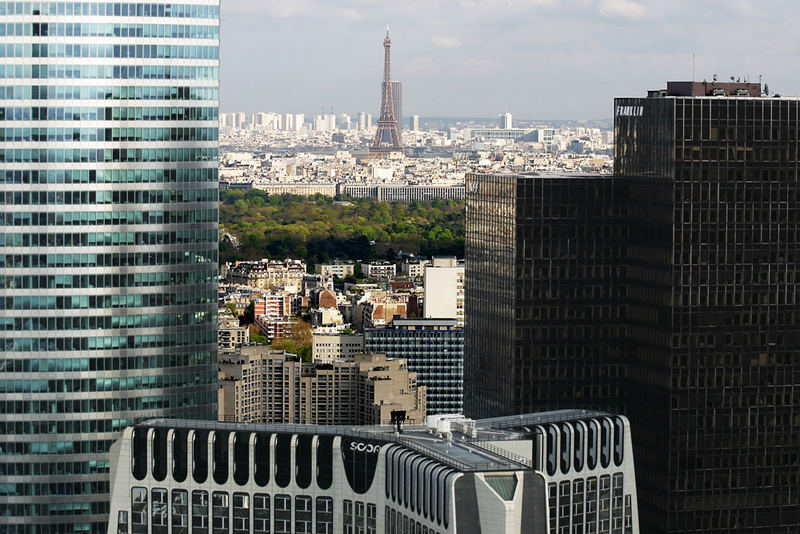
(538, 59)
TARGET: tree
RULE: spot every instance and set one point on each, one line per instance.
(249, 314)
(257, 337)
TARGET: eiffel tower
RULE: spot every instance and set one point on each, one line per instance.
(387, 138)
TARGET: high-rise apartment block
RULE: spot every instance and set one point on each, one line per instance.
(665, 291)
(506, 121)
(444, 289)
(434, 349)
(108, 242)
(414, 123)
(397, 100)
(258, 384)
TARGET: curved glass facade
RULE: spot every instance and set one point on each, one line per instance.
(108, 242)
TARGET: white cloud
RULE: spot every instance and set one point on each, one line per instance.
(445, 41)
(628, 9)
(284, 9)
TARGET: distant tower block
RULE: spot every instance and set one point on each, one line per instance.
(397, 99)
(506, 121)
(387, 138)
(414, 123)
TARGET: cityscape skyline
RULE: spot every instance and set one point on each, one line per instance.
(447, 72)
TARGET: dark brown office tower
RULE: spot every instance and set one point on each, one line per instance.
(669, 290)
(714, 306)
(545, 292)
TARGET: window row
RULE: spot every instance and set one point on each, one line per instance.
(13, 489)
(201, 404)
(398, 523)
(220, 512)
(106, 92)
(149, 196)
(112, 322)
(41, 135)
(132, 363)
(89, 29)
(110, 9)
(27, 344)
(590, 507)
(56, 509)
(107, 218)
(359, 517)
(107, 155)
(107, 302)
(105, 384)
(133, 259)
(91, 467)
(109, 72)
(95, 281)
(55, 447)
(84, 113)
(108, 239)
(99, 176)
(34, 50)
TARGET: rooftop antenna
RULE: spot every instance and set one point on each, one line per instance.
(693, 62)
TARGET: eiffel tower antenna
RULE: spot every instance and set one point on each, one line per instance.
(387, 138)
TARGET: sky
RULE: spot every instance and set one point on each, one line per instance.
(538, 59)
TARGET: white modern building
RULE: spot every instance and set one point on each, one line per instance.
(444, 289)
(567, 471)
(383, 269)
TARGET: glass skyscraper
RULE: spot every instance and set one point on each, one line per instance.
(108, 242)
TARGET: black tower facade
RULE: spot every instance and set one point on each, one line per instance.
(685, 287)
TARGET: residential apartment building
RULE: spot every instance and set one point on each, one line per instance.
(329, 346)
(259, 384)
(434, 349)
(267, 274)
(444, 289)
(382, 269)
(340, 269)
(414, 268)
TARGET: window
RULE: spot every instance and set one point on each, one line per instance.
(159, 511)
(199, 512)
(139, 511)
(122, 522)
(324, 515)
(347, 517)
(302, 514)
(241, 513)
(260, 513)
(180, 512)
(359, 517)
(219, 513)
(283, 514)
(372, 518)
